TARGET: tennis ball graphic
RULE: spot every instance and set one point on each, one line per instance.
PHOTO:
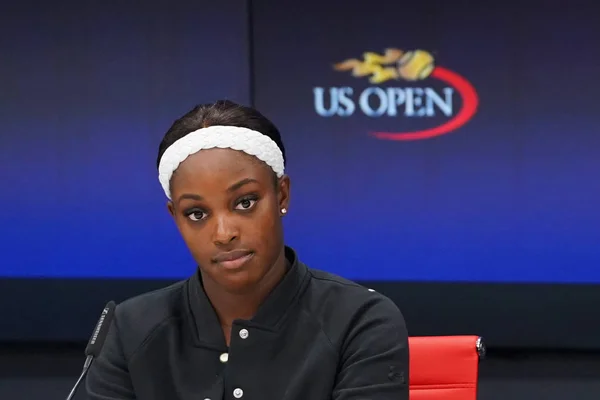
(416, 65)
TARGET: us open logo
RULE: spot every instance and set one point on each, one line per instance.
(405, 84)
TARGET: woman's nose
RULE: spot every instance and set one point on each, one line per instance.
(225, 230)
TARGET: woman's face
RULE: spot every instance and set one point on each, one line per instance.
(228, 210)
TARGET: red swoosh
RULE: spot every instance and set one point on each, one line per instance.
(470, 104)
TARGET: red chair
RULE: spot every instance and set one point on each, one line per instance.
(444, 367)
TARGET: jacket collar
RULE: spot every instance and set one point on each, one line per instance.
(205, 323)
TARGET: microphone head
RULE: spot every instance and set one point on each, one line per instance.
(99, 336)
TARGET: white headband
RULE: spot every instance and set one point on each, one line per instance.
(224, 137)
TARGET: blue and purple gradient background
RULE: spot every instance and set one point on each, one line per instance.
(510, 197)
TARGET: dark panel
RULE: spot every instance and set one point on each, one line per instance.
(507, 316)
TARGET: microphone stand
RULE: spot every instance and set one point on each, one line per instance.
(86, 367)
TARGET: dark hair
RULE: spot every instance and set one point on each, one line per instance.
(222, 112)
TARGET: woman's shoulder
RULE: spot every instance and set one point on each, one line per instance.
(138, 316)
(157, 301)
(350, 301)
(337, 288)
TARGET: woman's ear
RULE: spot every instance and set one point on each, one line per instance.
(171, 208)
(283, 194)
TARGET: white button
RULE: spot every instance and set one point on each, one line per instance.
(224, 357)
(238, 393)
(244, 333)
(371, 290)
(207, 398)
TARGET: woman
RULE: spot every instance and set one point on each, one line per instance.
(253, 322)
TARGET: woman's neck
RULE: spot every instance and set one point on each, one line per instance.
(230, 306)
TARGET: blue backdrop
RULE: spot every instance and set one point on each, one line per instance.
(88, 92)
(512, 195)
(509, 194)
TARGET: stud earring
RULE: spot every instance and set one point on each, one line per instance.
(283, 211)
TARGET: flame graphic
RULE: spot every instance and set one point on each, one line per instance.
(394, 64)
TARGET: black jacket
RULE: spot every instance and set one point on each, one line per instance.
(316, 337)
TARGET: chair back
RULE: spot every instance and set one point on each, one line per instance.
(444, 367)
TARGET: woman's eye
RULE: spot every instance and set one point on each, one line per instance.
(196, 215)
(246, 204)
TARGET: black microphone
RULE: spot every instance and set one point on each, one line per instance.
(96, 342)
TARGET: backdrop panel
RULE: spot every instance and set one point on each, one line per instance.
(465, 154)
(437, 141)
(89, 89)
